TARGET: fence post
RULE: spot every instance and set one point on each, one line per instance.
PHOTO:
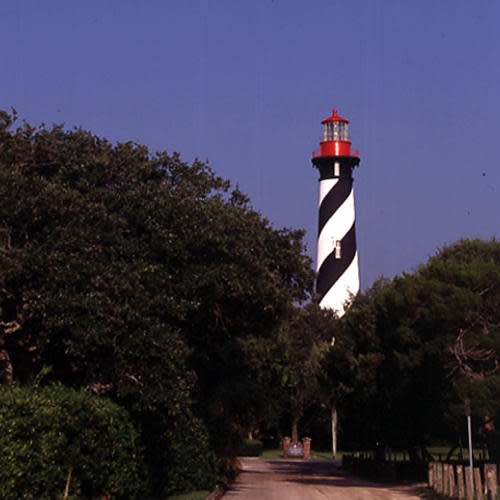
(430, 474)
(446, 477)
(490, 479)
(452, 487)
(477, 482)
(439, 478)
(469, 487)
(460, 481)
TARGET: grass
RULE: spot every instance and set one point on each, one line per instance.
(435, 451)
(315, 455)
(194, 495)
(324, 455)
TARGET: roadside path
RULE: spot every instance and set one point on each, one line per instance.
(308, 480)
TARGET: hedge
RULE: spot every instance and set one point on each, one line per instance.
(54, 434)
(191, 464)
(251, 448)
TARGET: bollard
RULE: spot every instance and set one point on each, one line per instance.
(460, 481)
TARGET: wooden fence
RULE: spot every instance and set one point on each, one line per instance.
(456, 481)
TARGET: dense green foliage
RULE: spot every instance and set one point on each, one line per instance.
(141, 278)
(251, 448)
(116, 265)
(298, 347)
(415, 347)
(288, 365)
(48, 433)
(191, 462)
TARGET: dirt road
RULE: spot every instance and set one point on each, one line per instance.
(308, 480)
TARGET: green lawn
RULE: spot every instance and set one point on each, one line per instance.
(435, 451)
(315, 455)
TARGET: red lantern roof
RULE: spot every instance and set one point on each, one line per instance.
(335, 118)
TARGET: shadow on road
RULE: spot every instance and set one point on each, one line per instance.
(318, 474)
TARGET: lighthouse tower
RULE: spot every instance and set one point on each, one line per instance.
(337, 267)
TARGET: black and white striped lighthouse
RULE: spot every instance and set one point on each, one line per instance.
(337, 266)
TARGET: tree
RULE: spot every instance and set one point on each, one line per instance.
(248, 280)
(288, 365)
(473, 360)
(139, 277)
(474, 267)
(424, 337)
(84, 285)
(348, 370)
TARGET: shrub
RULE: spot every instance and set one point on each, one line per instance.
(191, 465)
(251, 448)
(51, 434)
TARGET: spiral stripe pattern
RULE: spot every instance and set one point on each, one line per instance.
(338, 273)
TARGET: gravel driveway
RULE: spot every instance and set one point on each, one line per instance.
(308, 480)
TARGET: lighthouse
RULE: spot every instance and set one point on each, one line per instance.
(337, 263)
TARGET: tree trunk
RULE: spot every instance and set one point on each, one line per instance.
(295, 433)
(5, 367)
(334, 431)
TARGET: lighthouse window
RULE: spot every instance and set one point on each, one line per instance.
(343, 132)
(336, 131)
(328, 131)
(336, 169)
(338, 249)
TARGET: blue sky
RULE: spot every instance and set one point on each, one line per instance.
(245, 84)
